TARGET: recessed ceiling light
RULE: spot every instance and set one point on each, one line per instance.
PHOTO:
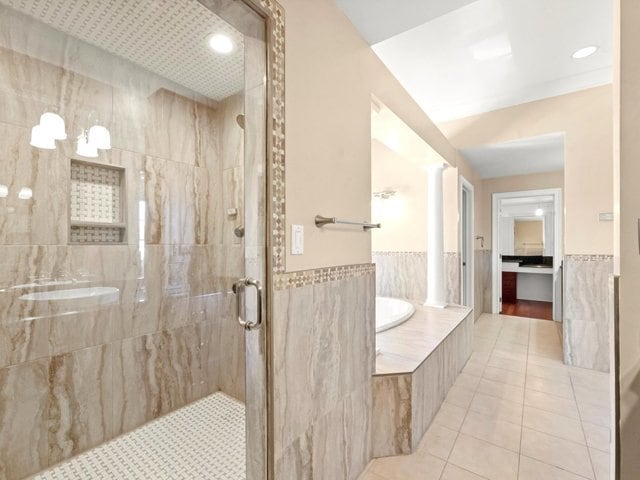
(220, 43)
(539, 212)
(585, 52)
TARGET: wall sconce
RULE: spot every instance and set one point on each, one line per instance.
(100, 137)
(384, 194)
(25, 193)
(50, 129)
(84, 148)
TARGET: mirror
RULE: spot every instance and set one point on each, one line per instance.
(528, 237)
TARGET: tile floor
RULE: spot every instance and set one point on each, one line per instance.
(515, 412)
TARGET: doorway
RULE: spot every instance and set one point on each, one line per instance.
(527, 253)
(466, 242)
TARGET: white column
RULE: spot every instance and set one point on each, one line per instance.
(435, 238)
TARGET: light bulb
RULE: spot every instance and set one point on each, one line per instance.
(220, 43)
(85, 148)
(53, 125)
(539, 212)
(100, 137)
(4, 191)
(25, 193)
(40, 138)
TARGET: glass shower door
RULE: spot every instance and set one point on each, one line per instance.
(132, 198)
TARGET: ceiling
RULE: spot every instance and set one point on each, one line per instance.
(459, 58)
(168, 38)
(519, 157)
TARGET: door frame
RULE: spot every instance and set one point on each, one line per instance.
(558, 245)
(467, 282)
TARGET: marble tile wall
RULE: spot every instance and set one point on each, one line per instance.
(404, 275)
(76, 373)
(586, 318)
(405, 404)
(323, 354)
(482, 282)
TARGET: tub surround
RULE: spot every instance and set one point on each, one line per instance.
(587, 318)
(419, 361)
(323, 340)
(404, 275)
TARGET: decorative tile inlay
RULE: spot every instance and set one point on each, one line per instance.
(205, 439)
(82, 234)
(321, 275)
(276, 139)
(96, 193)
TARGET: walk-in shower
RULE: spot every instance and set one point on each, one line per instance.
(132, 198)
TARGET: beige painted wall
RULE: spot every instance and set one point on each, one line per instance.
(331, 74)
(585, 117)
(511, 184)
(528, 237)
(628, 125)
(403, 216)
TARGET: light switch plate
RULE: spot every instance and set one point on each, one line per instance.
(297, 239)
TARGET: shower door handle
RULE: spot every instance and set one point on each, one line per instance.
(240, 287)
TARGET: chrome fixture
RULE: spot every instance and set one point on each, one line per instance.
(239, 287)
(322, 221)
(384, 194)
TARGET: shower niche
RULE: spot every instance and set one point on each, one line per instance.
(96, 204)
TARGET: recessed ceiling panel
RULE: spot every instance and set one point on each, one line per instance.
(490, 54)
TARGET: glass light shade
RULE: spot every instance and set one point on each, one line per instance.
(85, 148)
(100, 137)
(220, 43)
(4, 191)
(40, 139)
(53, 125)
(25, 193)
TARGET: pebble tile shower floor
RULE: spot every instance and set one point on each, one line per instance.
(204, 440)
(516, 412)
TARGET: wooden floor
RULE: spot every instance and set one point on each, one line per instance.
(529, 308)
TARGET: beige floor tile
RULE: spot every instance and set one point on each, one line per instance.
(597, 436)
(409, 467)
(438, 441)
(507, 364)
(545, 385)
(558, 373)
(545, 361)
(504, 376)
(592, 395)
(508, 346)
(496, 408)
(601, 464)
(551, 403)
(531, 469)
(483, 344)
(450, 416)
(480, 357)
(553, 424)
(467, 380)
(501, 390)
(452, 472)
(484, 459)
(460, 396)
(498, 432)
(474, 368)
(372, 476)
(594, 414)
(590, 379)
(558, 452)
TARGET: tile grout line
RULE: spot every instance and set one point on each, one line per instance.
(524, 392)
(593, 470)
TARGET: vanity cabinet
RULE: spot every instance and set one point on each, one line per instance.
(509, 287)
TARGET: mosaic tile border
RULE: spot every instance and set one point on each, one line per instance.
(322, 275)
(589, 258)
(276, 58)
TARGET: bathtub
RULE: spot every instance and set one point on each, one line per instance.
(391, 312)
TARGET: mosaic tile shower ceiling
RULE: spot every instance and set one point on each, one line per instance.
(204, 440)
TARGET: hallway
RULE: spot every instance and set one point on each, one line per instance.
(516, 412)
